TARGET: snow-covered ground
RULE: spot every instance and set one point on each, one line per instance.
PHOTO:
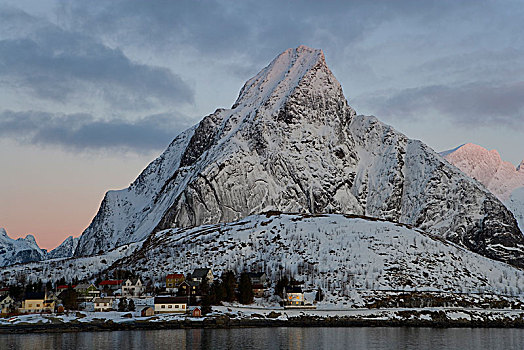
(346, 256)
(275, 314)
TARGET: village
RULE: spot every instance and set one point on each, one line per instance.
(192, 294)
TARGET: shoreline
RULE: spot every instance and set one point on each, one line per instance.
(408, 318)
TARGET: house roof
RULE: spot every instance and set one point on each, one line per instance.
(170, 300)
(83, 286)
(6, 289)
(293, 289)
(34, 296)
(175, 275)
(102, 300)
(3, 297)
(257, 286)
(65, 286)
(191, 283)
(200, 273)
(110, 283)
(256, 274)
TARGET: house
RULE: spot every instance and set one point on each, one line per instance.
(133, 288)
(199, 274)
(258, 290)
(63, 287)
(147, 311)
(4, 291)
(110, 286)
(293, 296)
(257, 277)
(195, 311)
(33, 302)
(173, 281)
(6, 303)
(170, 304)
(189, 288)
(86, 291)
(103, 304)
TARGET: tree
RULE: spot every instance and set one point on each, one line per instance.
(228, 282)
(281, 284)
(122, 305)
(70, 298)
(131, 305)
(245, 289)
(320, 295)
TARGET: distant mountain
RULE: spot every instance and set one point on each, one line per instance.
(65, 250)
(291, 143)
(21, 250)
(502, 178)
(24, 250)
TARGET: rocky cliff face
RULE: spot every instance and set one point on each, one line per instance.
(65, 250)
(21, 250)
(291, 143)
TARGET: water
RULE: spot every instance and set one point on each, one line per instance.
(275, 338)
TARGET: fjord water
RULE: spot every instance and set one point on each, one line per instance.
(275, 338)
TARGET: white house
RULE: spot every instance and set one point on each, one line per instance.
(133, 288)
(5, 303)
(199, 274)
(293, 296)
(170, 304)
(103, 304)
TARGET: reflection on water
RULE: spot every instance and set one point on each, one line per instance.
(275, 338)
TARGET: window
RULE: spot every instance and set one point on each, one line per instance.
(183, 306)
(170, 306)
(163, 306)
(37, 305)
(176, 306)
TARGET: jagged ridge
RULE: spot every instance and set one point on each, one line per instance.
(292, 143)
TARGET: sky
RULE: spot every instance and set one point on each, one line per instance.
(92, 91)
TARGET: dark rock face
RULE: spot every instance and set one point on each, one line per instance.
(292, 143)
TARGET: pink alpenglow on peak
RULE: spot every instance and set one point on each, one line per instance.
(487, 167)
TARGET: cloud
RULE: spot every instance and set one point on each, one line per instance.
(82, 132)
(474, 104)
(57, 65)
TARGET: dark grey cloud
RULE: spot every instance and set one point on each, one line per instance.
(82, 132)
(57, 65)
(475, 104)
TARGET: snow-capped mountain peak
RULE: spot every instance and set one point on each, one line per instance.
(20, 250)
(486, 166)
(291, 143)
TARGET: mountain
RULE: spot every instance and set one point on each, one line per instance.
(346, 255)
(21, 250)
(291, 143)
(65, 250)
(500, 177)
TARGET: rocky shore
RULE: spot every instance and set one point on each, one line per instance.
(407, 318)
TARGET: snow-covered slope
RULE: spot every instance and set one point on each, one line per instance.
(339, 253)
(500, 177)
(292, 143)
(21, 250)
(65, 250)
(343, 254)
(515, 203)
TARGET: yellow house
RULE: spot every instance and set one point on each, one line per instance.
(37, 302)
